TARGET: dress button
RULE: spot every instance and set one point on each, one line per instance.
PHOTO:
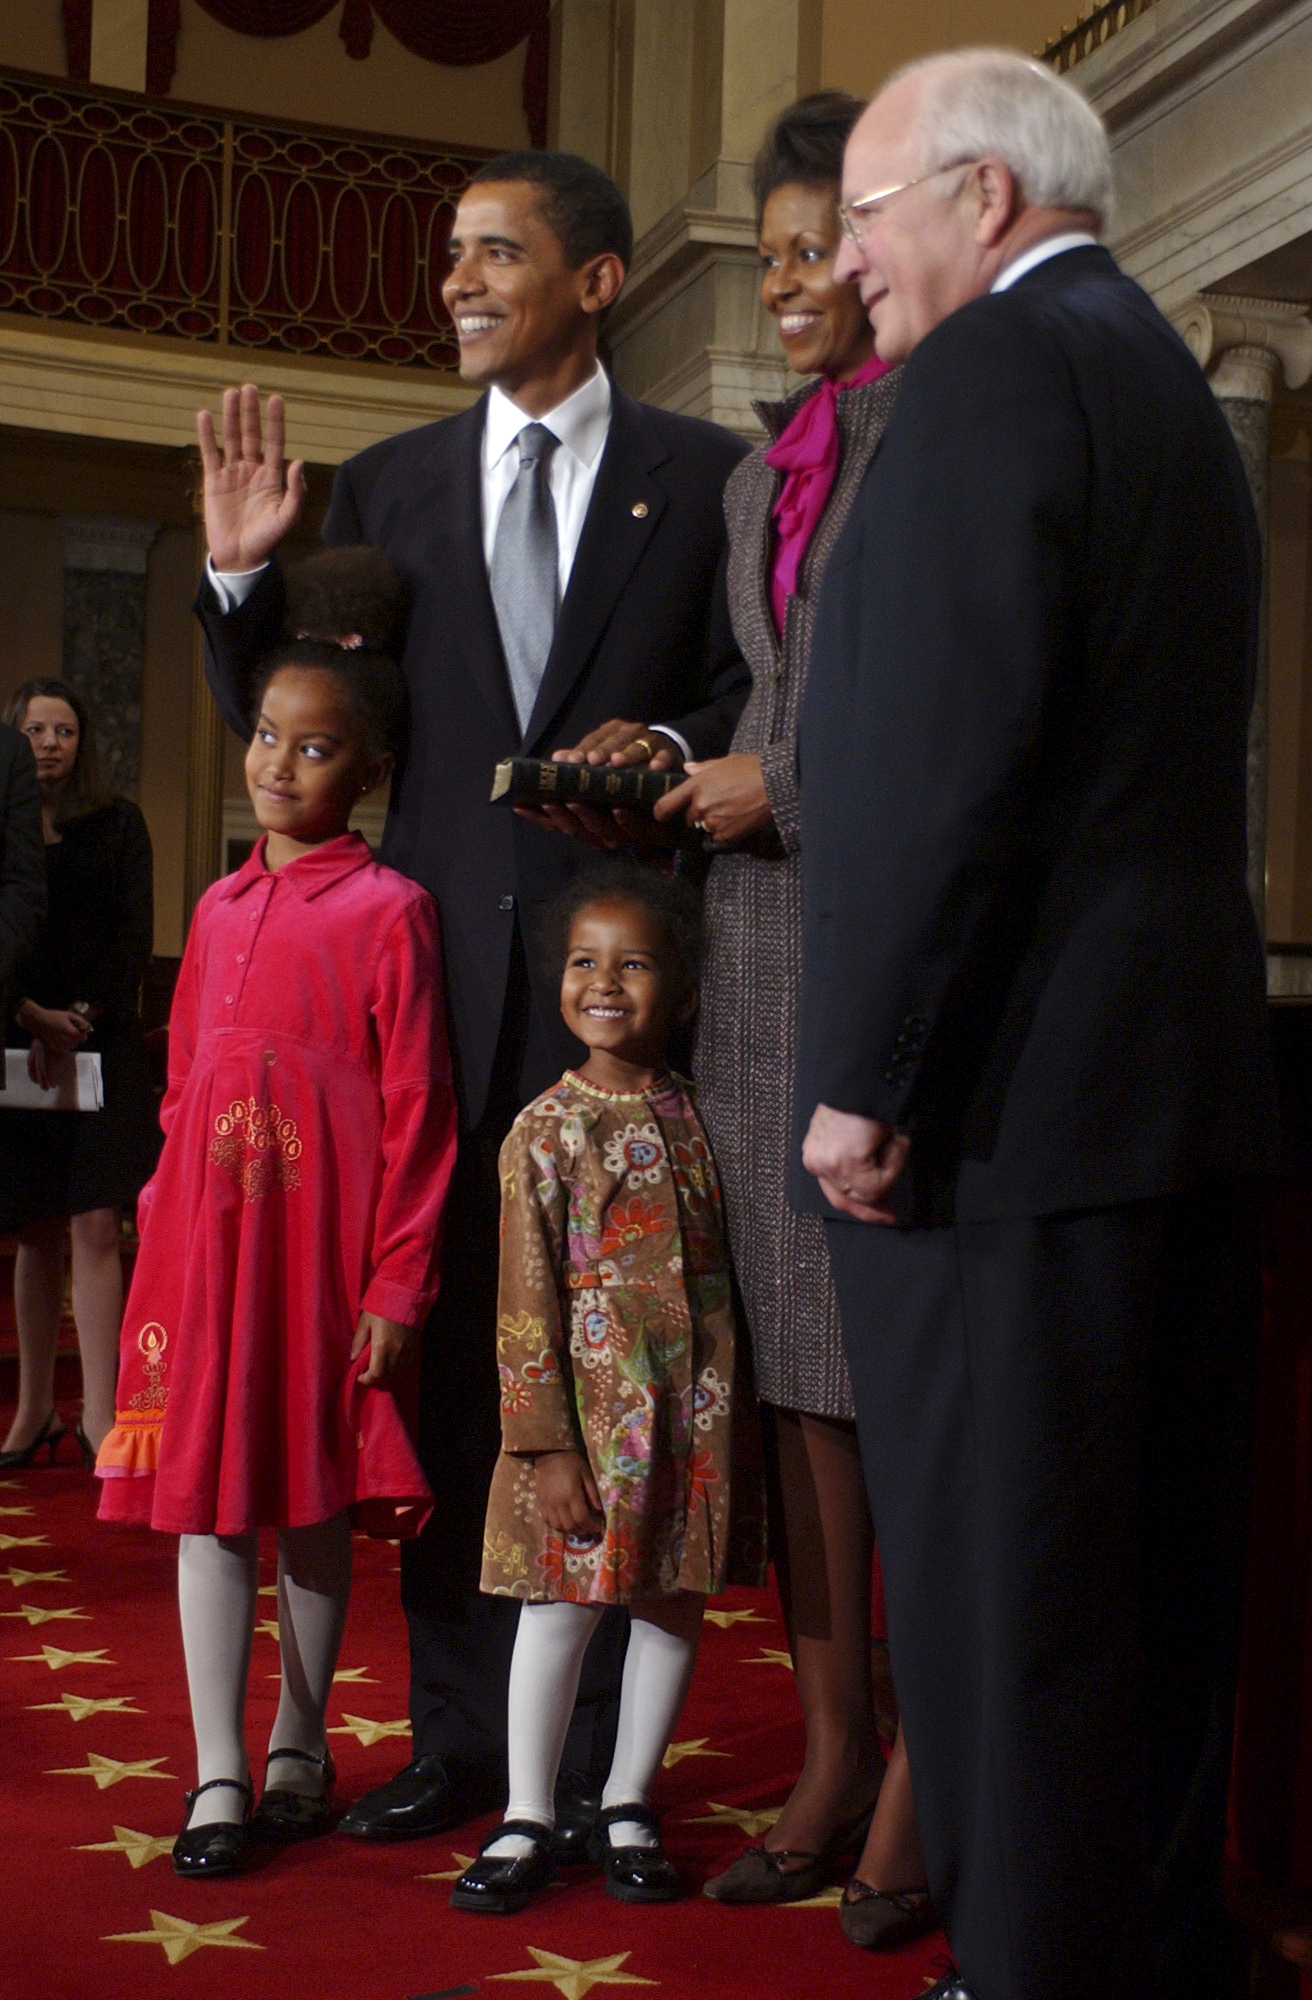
(241, 958)
(506, 903)
(269, 1056)
(227, 998)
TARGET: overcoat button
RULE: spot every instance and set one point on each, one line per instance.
(506, 903)
(639, 510)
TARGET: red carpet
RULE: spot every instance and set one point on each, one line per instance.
(97, 1751)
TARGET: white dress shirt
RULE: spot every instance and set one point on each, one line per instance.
(581, 423)
(1039, 253)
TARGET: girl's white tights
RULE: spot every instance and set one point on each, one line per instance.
(217, 1578)
(544, 1679)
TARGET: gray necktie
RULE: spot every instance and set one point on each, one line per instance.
(526, 569)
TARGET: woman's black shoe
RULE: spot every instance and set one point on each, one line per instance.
(47, 1438)
(283, 1815)
(85, 1446)
(635, 1874)
(220, 1847)
(501, 1885)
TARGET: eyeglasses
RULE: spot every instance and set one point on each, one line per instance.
(856, 216)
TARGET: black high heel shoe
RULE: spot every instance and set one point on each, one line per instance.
(85, 1446)
(51, 1431)
(218, 1848)
(283, 1815)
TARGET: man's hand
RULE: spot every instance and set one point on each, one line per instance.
(856, 1161)
(251, 500)
(567, 1493)
(623, 743)
(387, 1341)
(725, 798)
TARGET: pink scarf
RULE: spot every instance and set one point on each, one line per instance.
(807, 454)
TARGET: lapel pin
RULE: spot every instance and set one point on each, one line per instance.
(639, 510)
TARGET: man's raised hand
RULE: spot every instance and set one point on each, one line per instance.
(252, 499)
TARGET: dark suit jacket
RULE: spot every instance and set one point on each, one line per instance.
(22, 861)
(1028, 938)
(643, 633)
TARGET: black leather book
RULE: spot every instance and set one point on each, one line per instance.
(535, 781)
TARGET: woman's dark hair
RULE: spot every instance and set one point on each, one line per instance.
(344, 615)
(805, 145)
(84, 790)
(672, 903)
(581, 205)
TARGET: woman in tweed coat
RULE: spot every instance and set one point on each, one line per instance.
(781, 532)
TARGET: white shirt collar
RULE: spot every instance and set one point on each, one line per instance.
(580, 422)
(1039, 253)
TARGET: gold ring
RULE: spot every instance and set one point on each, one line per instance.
(646, 744)
(700, 825)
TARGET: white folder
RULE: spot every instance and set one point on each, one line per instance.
(77, 1083)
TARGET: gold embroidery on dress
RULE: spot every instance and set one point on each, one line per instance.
(151, 1342)
(257, 1146)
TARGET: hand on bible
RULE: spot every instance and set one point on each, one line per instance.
(724, 798)
(387, 1341)
(251, 498)
(567, 1493)
(856, 1161)
(619, 742)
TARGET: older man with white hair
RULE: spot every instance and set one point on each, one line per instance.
(1034, 1059)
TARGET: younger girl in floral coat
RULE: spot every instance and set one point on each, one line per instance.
(616, 1348)
(289, 1238)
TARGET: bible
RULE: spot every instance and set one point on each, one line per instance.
(535, 781)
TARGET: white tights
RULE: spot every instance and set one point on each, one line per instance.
(217, 1577)
(544, 1679)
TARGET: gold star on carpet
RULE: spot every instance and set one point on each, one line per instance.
(267, 1590)
(109, 1771)
(770, 1656)
(35, 1615)
(80, 1706)
(828, 1899)
(57, 1659)
(180, 1939)
(23, 1542)
(18, 1577)
(139, 1847)
(367, 1732)
(17, 1510)
(269, 1626)
(724, 1619)
(575, 1977)
(449, 1874)
(751, 1820)
(356, 1675)
(695, 1746)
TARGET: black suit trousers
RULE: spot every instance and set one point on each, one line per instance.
(1054, 1417)
(461, 1640)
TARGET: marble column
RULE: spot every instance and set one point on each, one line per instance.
(203, 862)
(1244, 345)
(105, 632)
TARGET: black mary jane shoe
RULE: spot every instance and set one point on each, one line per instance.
(635, 1874)
(577, 1802)
(219, 1847)
(283, 1815)
(500, 1885)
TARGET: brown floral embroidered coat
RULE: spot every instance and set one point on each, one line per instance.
(615, 1337)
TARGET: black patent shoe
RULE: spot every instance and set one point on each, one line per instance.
(46, 1439)
(218, 1848)
(578, 1802)
(501, 1885)
(635, 1874)
(283, 1815)
(430, 1794)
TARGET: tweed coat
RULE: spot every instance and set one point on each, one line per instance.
(747, 1032)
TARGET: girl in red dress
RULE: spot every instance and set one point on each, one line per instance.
(289, 1239)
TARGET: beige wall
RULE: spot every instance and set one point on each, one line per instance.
(32, 36)
(310, 76)
(862, 40)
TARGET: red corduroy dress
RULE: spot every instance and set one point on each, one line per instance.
(309, 1139)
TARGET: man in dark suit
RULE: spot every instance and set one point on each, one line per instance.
(22, 860)
(555, 488)
(1034, 1064)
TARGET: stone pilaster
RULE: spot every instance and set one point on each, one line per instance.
(1243, 345)
(105, 632)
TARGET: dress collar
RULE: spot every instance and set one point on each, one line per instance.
(580, 422)
(309, 875)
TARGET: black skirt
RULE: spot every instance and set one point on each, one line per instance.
(56, 1163)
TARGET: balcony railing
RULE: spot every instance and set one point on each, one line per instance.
(1073, 44)
(118, 211)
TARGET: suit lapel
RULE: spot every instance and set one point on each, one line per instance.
(622, 517)
(455, 500)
